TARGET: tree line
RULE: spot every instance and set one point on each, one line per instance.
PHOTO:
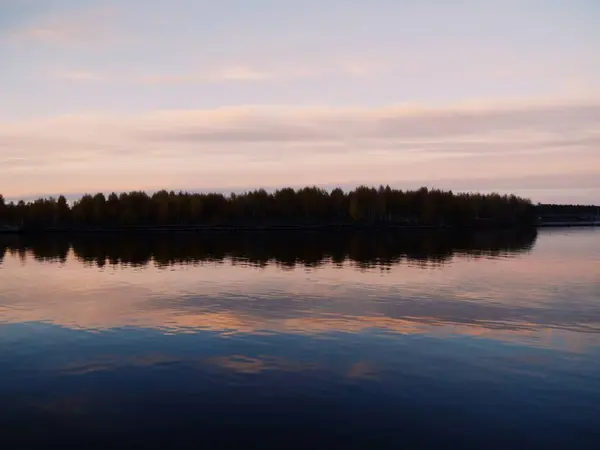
(306, 206)
(581, 212)
(285, 249)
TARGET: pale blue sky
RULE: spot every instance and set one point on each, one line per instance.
(478, 95)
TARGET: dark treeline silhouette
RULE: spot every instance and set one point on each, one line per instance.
(301, 207)
(287, 249)
(575, 213)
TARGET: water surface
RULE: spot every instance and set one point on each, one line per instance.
(296, 340)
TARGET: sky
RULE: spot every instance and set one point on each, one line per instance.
(229, 95)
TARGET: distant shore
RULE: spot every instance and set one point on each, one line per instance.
(285, 227)
(568, 224)
(288, 209)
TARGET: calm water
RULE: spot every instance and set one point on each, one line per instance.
(302, 340)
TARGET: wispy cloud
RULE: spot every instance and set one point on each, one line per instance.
(80, 76)
(270, 145)
(234, 73)
(70, 28)
(226, 73)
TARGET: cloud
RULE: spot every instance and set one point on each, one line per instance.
(486, 144)
(71, 28)
(234, 73)
(225, 73)
(412, 126)
(80, 76)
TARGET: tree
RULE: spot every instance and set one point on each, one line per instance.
(3, 209)
(63, 212)
(309, 205)
(99, 212)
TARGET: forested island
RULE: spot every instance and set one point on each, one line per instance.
(309, 207)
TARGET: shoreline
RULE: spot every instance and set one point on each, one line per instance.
(568, 224)
(278, 228)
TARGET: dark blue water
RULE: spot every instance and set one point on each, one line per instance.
(301, 341)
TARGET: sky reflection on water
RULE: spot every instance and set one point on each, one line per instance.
(490, 345)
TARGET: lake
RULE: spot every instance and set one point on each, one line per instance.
(406, 340)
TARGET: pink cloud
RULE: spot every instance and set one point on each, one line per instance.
(268, 146)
